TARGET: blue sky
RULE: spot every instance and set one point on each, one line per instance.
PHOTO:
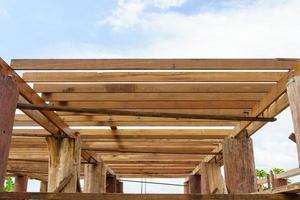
(161, 28)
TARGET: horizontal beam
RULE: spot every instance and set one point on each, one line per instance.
(86, 196)
(153, 87)
(152, 76)
(142, 114)
(151, 96)
(150, 64)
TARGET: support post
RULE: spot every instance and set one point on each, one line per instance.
(111, 184)
(8, 102)
(186, 187)
(43, 186)
(95, 178)
(277, 182)
(212, 181)
(239, 166)
(195, 184)
(21, 182)
(64, 164)
(119, 186)
(293, 91)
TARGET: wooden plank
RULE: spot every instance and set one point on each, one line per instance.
(8, 103)
(87, 196)
(144, 133)
(85, 97)
(32, 97)
(161, 104)
(152, 76)
(150, 64)
(153, 88)
(291, 188)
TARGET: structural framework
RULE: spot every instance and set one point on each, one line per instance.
(107, 119)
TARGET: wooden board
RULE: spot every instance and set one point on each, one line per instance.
(150, 64)
(153, 87)
(152, 76)
(86, 196)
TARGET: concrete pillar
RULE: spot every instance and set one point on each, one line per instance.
(8, 102)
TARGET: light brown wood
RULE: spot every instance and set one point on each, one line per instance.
(84, 196)
(293, 91)
(212, 181)
(64, 161)
(150, 64)
(153, 87)
(85, 97)
(95, 178)
(152, 76)
(8, 102)
(239, 167)
(43, 186)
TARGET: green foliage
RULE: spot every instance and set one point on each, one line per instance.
(277, 170)
(260, 173)
(9, 185)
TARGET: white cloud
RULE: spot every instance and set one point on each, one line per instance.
(132, 12)
(3, 12)
(164, 4)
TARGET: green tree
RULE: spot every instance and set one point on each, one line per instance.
(277, 170)
(9, 185)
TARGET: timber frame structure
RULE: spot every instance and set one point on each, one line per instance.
(107, 119)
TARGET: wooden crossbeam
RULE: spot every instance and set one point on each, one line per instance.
(144, 114)
(152, 76)
(153, 87)
(151, 64)
(88, 196)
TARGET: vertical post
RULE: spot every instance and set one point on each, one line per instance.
(239, 166)
(293, 91)
(212, 181)
(21, 182)
(64, 164)
(95, 178)
(119, 186)
(43, 186)
(277, 182)
(111, 184)
(8, 102)
(186, 187)
(195, 184)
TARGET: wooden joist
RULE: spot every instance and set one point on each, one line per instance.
(152, 76)
(153, 87)
(89, 196)
(142, 114)
(151, 64)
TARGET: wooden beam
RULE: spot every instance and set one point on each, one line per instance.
(143, 133)
(151, 64)
(239, 167)
(85, 97)
(153, 87)
(144, 114)
(293, 91)
(84, 196)
(8, 102)
(21, 182)
(95, 178)
(64, 164)
(152, 76)
(195, 184)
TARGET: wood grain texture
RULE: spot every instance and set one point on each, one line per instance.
(152, 76)
(83, 196)
(8, 101)
(95, 178)
(151, 64)
(239, 167)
